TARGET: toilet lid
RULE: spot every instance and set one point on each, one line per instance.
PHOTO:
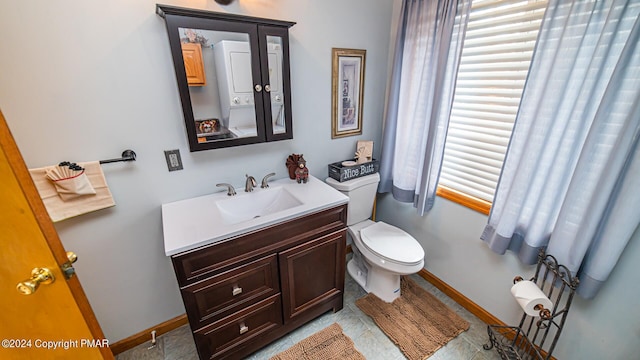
(392, 243)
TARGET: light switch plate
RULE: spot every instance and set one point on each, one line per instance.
(174, 162)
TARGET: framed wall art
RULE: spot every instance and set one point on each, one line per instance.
(347, 84)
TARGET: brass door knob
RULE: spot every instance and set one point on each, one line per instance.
(38, 276)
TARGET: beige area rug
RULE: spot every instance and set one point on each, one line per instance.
(417, 321)
(329, 343)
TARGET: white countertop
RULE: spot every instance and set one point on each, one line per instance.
(191, 223)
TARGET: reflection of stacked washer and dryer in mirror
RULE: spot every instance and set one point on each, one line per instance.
(233, 64)
(231, 114)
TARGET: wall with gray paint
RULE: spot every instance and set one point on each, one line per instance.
(84, 80)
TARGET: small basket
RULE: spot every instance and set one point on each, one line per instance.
(344, 173)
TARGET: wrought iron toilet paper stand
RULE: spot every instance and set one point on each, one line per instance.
(536, 336)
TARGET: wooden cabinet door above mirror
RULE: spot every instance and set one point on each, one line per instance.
(233, 76)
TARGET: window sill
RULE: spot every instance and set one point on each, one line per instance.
(479, 205)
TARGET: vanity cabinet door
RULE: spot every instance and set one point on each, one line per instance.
(312, 274)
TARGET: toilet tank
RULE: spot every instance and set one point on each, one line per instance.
(361, 192)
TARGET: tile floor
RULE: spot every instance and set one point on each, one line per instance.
(368, 338)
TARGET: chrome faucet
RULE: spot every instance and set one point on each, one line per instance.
(250, 184)
(230, 190)
(264, 184)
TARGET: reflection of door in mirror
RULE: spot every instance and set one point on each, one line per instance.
(274, 55)
(193, 64)
(224, 106)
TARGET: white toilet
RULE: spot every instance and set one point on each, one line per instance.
(381, 252)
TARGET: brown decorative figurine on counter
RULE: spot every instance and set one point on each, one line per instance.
(302, 173)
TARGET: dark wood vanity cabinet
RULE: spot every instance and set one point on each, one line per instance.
(244, 292)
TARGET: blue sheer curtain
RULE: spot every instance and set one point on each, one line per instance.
(571, 178)
(427, 53)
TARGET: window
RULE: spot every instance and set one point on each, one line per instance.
(498, 46)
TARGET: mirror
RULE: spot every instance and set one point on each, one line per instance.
(274, 57)
(232, 73)
(218, 69)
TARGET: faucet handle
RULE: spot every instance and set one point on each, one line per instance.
(230, 190)
(264, 184)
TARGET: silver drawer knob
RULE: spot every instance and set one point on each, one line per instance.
(243, 328)
(236, 290)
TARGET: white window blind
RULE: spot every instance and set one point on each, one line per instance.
(498, 46)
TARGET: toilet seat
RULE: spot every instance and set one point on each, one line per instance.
(392, 244)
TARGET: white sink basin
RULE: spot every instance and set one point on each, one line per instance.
(248, 206)
(191, 223)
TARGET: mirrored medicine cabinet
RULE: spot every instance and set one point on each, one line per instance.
(233, 76)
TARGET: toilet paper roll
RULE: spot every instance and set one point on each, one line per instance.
(528, 295)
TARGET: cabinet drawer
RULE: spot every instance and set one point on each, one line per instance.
(221, 295)
(227, 335)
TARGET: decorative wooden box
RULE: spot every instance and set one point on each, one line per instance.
(344, 173)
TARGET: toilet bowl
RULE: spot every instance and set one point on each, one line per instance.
(381, 252)
(384, 253)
